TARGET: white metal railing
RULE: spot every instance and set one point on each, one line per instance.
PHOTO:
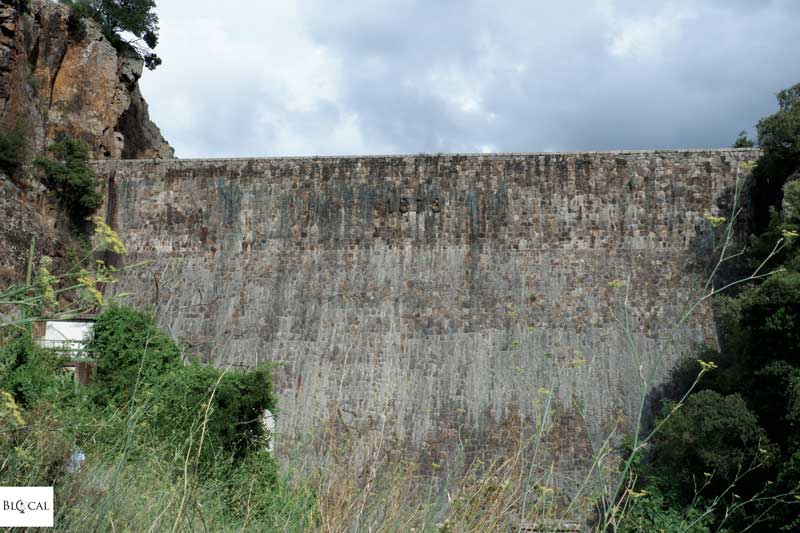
(64, 345)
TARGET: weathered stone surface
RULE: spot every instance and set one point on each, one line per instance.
(56, 79)
(25, 214)
(430, 296)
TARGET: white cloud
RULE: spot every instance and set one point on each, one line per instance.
(246, 78)
(453, 87)
(649, 37)
(344, 77)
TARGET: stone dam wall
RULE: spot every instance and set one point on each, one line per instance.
(429, 298)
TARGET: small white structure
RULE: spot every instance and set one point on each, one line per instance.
(268, 421)
(67, 335)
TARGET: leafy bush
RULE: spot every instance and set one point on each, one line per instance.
(131, 352)
(742, 141)
(135, 357)
(791, 202)
(230, 426)
(650, 511)
(771, 315)
(13, 150)
(69, 175)
(746, 414)
(29, 373)
(186, 450)
(712, 435)
(779, 138)
(785, 518)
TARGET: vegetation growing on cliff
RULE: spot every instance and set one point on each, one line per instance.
(779, 138)
(70, 176)
(118, 18)
(14, 148)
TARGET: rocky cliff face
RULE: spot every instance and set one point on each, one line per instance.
(59, 75)
(23, 214)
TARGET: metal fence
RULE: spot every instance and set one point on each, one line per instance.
(63, 345)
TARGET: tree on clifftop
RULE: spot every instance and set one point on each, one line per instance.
(120, 17)
(742, 141)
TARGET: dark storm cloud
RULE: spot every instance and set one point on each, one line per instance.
(437, 76)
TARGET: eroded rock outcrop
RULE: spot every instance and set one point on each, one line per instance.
(60, 75)
(25, 212)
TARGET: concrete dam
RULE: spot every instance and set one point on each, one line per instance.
(431, 297)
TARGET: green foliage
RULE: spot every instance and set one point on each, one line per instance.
(187, 448)
(116, 17)
(69, 175)
(650, 511)
(742, 141)
(255, 489)
(711, 435)
(684, 373)
(791, 203)
(780, 133)
(14, 148)
(231, 424)
(771, 316)
(29, 373)
(779, 138)
(786, 518)
(762, 244)
(131, 353)
(136, 358)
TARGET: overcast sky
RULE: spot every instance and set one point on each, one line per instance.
(306, 77)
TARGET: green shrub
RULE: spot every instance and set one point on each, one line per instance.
(742, 141)
(747, 412)
(773, 399)
(14, 148)
(650, 511)
(257, 495)
(785, 517)
(791, 202)
(711, 435)
(233, 426)
(771, 315)
(188, 449)
(28, 372)
(779, 138)
(131, 352)
(69, 175)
